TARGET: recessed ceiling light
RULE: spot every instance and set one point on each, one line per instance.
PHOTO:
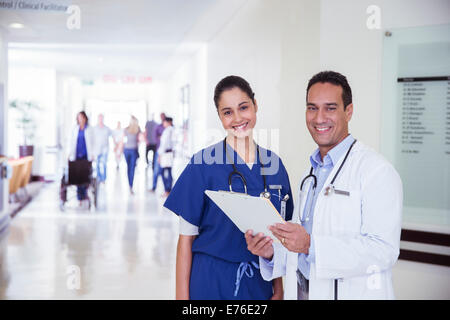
(16, 25)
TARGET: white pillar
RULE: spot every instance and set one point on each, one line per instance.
(4, 220)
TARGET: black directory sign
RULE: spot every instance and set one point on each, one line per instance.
(423, 139)
(425, 113)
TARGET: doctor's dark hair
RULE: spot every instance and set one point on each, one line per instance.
(84, 115)
(334, 78)
(231, 82)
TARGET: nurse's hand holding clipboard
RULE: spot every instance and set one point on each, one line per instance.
(259, 244)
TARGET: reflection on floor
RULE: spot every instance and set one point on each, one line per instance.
(123, 250)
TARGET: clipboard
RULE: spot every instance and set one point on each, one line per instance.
(247, 212)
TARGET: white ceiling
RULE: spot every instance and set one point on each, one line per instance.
(142, 37)
(156, 61)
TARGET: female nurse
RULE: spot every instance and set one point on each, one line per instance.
(212, 257)
(81, 146)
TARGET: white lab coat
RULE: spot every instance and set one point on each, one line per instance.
(356, 237)
(166, 143)
(88, 136)
(101, 140)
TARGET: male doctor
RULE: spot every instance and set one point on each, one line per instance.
(345, 234)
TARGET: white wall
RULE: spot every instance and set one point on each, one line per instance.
(71, 99)
(275, 47)
(279, 47)
(348, 46)
(414, 280)
(193, 73)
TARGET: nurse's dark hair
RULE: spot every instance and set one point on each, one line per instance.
(84, 115)
(334, 78)
(231, 82)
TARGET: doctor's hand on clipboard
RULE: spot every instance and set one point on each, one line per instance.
(291, 235)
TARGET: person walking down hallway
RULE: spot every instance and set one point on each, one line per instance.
(81, 147)
(158, 131)
(130, 150)
(101, 144)
(150, 139)
(117, 135)
(165, 152)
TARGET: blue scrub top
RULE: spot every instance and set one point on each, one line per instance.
(218, 235)
(81, 151)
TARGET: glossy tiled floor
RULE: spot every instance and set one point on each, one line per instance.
(123, 250)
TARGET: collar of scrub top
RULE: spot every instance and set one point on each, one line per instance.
(265, 193)
(332, 155)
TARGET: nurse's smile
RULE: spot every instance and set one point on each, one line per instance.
(237, 112)
(241, 127)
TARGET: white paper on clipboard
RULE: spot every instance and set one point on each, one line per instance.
(247, 212)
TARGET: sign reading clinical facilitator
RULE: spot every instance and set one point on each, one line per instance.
(36, 5)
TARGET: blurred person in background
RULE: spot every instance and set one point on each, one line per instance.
(101, 145)
(81, 147)
(158, 131)
(130, 151)
(165, 154)
(150, 139)
(117, 135)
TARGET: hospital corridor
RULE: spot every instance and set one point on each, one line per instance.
(245, 150)
(125, 249)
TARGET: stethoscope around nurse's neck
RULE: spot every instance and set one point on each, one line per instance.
(330, 189)
(265, 193)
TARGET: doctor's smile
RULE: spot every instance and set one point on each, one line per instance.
(323, 129)
(328, 112)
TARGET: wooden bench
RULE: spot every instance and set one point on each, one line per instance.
(21, 173)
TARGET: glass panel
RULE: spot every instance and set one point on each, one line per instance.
(416, 121)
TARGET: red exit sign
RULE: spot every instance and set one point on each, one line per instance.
(128, 79)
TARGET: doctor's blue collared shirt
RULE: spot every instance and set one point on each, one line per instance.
(321, 170)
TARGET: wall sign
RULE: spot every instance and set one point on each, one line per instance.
(36, 5)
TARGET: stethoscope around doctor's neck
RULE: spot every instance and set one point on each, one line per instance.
(330, 189)
(265, 193)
